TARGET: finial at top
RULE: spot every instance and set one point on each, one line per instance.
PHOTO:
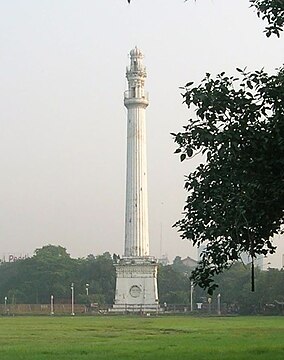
(136, 52)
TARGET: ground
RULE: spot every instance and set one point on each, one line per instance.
(131, 337)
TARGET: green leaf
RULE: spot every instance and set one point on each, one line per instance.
(189, 84)
(249, 84)
(182, 157)
(189, 152)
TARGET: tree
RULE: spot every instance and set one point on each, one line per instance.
(50, 252)
(102, 278)
(51, 271)
(234, 285)
(178, 265)
(173, 285)
(99, 273)
(273, 12)
(235, 198)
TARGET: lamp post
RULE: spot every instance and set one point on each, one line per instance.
(219, 303)
(72, 299)
(87, 289)
(209, 304)
(5, 302)
(191, 295)
(51, 305)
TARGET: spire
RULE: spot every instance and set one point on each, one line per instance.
(136, 75)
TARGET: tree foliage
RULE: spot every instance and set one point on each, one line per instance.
(27, 281)
(51, 271)
(234, 283)
(236, 197)
(173, 285)
(271, 11)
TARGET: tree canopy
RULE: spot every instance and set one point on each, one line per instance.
(271, 11)
(51, 271)
(235, 199)
(34, 279)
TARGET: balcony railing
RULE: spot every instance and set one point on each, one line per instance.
(131, 95)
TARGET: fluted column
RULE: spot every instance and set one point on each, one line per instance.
(136, 215)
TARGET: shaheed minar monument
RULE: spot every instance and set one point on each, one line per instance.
(136, 273)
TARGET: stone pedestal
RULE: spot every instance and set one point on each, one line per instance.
(136, 286)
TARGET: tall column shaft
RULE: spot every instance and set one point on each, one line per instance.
(136, 216)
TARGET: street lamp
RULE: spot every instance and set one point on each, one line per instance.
(87, 289)
(51, 305)
(209, 304)
(72, 299)
(191, 295)
(219, 303)
(5, 308)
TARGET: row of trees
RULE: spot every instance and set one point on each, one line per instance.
(233, 285)
(51, 271)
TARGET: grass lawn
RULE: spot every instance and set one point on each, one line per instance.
(127, 337)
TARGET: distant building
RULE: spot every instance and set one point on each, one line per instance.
(164, 260)
(189, 262)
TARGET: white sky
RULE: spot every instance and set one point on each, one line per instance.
(63, 123)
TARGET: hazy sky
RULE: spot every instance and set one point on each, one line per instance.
(63, 123)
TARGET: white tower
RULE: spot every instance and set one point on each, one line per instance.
(136, 282)
(136, 216)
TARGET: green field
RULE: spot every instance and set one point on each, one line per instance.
(127, 337)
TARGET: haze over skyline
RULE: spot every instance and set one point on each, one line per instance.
(63, 122)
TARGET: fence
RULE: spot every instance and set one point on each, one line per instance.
(276, 308)
(41, 309)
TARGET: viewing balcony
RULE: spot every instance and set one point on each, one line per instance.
(131, 98)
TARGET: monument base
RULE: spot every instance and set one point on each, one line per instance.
(136, 285)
